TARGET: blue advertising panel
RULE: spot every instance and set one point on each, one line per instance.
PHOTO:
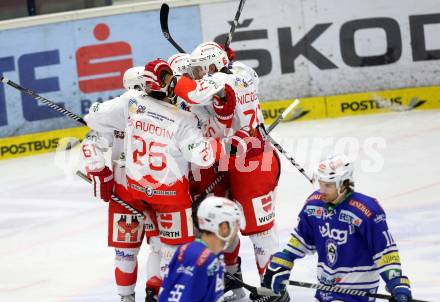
(77, 63)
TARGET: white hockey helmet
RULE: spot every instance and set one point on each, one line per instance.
(134, 78)
(213, 211)
(209, 53)
(336, 168)
(180, 63)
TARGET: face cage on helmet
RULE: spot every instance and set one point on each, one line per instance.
(232, 233)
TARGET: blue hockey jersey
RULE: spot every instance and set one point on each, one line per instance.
(195, 274)
(353, 244)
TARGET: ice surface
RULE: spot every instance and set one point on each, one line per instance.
(54, 234)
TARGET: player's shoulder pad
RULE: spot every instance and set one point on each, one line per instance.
(365, 205)
(315, 197)
(205, 257)
(219, 78)
(132, 93)
(241, 66)
(195, 253)
(188, 118)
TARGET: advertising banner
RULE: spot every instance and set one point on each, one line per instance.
(80, 62)
(328, 47)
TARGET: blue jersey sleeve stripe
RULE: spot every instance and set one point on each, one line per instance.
(295, 251)
(389, 266)
(347, 269)
(390, 249)
(301, 239)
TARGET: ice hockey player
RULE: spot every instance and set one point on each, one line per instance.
(202, 177)
(349, 232)
(259, 169)
(125, 230)
(196, 271)
(160, 143)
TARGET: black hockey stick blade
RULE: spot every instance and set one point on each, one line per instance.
(164, 11)
(261, 291)
(234, 24)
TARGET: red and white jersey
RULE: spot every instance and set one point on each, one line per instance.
(243, 80)
(160, 139)
(211, 126)
(93, 149)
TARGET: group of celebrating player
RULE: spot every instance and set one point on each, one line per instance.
(187, 142)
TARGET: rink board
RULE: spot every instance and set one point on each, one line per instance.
(373, 102)
(38, 143)
(422, 98)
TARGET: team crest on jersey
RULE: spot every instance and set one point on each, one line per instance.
(141, 109)
(350, 218)
(126, 228)
(240, 83)
(132, 105)
(314, 211)
(332, 252)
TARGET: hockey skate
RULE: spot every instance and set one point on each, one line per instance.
(233, 290)
(283, 298)
(129, 298)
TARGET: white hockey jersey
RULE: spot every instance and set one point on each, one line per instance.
(243, 80)
(160, 142)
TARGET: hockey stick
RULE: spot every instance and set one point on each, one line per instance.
(261, 291)
(164, 11)
(115, 198)
(44, 101)
(347, 291)
(234, 24)
(283, 115)
(265, 134)
(289, 158)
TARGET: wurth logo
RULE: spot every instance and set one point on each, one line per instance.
(169, 225)
(266, 219)
(166, 220)
(267, 204)
(264, 209)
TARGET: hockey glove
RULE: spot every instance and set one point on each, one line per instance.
(224, 108)
(239, 141)
(230, 52)
(102, 183)
(277, 271)
(400, 289)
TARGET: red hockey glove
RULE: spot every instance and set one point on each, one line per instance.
(102, 183)
(230, 52)
(224, 109)
(246, 141)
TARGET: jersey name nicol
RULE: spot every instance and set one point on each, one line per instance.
(247, 98)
